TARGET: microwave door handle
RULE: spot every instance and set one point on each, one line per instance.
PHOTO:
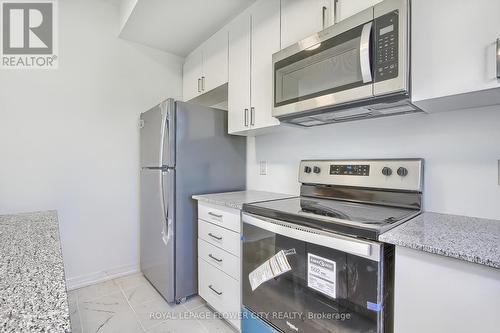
(364, 53)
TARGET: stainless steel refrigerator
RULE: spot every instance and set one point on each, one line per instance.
(185, 150)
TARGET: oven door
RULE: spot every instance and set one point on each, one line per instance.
(329, 68)
(334, 285)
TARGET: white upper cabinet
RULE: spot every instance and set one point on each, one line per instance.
(215, 61)
(302, 18)
(453, 48)
(265, 42)
(192, 73)
(239, 74)
(346, 8)
(253, 37)
(206, 67)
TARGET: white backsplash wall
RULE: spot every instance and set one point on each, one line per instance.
(461, 151)
(69, 138)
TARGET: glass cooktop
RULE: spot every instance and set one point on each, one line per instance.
(358, 219)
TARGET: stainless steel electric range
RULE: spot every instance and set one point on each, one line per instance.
(326, 269)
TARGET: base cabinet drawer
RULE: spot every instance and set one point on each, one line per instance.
(225, 261)
(224, 216)
(225, 239)
(221, 291)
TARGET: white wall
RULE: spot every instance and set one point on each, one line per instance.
(69, 137)
(460, 148)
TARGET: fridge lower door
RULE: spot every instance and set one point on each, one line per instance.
(157, 241)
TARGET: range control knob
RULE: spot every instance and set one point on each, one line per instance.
(402, 172)
(316, 169)
(386, 171)
(307, 169)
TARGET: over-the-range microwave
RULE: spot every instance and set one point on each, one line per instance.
(356, 69)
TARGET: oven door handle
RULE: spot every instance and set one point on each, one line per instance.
(342, 243)
(364, 53)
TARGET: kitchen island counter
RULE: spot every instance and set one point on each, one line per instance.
(33, 294)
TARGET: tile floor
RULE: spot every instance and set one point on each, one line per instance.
(131, 305)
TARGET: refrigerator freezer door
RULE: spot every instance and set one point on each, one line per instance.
(157, 243)
(151, 137)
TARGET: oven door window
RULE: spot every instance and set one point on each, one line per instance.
(333, 65)
(302, 299)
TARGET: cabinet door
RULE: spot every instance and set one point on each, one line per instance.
(346, 8)
(265, 42)
(192, 72)
(302, 18)
(215, 57)
(437, 288)
(453, 47)
(239, 74)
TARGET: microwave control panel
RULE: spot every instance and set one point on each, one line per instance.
(386, 46)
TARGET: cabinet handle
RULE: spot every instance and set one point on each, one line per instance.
(199, 81)
(202, 83)
(215, 215)
(323, 16)
(335, 11)
(214, 258)
(252, 116)
(246, 117)
(498, 58)
(215, 291)
(215, 237)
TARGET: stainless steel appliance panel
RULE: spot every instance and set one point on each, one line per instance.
(353, 70)
(151, 137)
(208, 160)
(324, 69)
(156, 254)
(392, 26)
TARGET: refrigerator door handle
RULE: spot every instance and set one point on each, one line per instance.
(165, 228)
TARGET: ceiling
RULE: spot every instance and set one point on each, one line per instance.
(179, 26)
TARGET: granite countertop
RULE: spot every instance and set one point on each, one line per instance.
(32, 286)
(471, 239)
(237, 199)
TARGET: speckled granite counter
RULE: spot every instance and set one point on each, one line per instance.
(237, 199)
(32, 286)
(467, 238)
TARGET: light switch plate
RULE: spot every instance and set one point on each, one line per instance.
(263, 168)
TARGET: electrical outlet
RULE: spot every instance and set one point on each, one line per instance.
(263, 168)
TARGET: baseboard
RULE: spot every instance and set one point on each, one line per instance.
(97, 277)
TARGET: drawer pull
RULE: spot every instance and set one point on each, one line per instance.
(215, 215)
(215, 291)
(213, 236)
(214, 258)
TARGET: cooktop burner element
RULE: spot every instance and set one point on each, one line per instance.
(356, 198)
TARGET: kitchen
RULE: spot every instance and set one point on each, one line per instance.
(72, 149)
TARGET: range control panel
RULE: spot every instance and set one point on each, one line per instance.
(386, 46)
(350, 169)
(403, 174)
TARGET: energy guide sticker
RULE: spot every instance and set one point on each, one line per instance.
(271, 268)
(322, 275)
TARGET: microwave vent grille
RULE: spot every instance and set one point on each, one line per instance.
(352, 114)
